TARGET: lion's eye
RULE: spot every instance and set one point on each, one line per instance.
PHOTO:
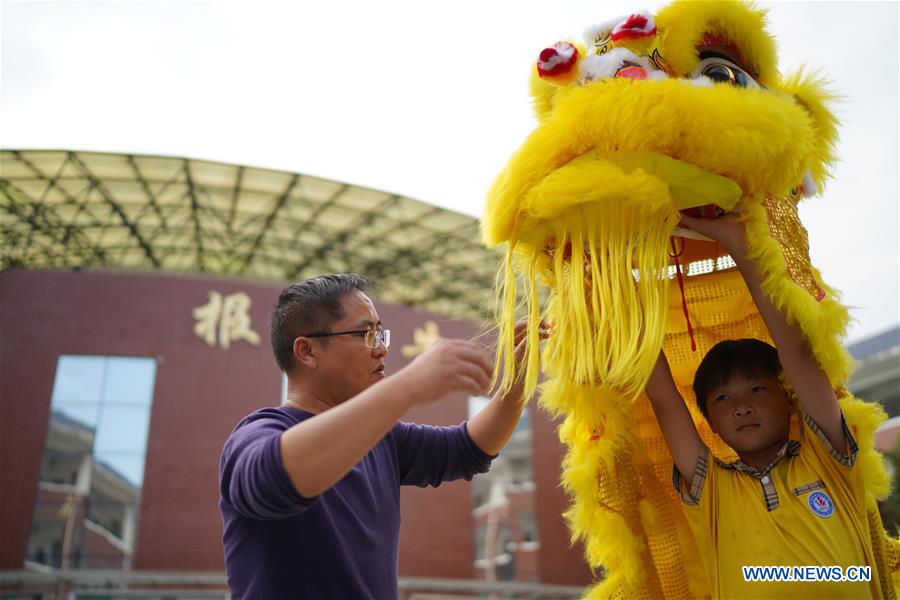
(719, 70)
(719, 73)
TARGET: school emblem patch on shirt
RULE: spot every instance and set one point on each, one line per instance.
(821, 504)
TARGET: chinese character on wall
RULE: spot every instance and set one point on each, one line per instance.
(423, 337)
(227, 317)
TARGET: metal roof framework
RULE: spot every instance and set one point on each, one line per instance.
(92, 210)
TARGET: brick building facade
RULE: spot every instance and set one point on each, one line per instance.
(200, 391)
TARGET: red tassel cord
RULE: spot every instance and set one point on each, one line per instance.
(675, 254)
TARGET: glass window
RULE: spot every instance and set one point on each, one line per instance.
(93, 465)
(527, 526)
(122, 439)
(79, 379)
(129, 380)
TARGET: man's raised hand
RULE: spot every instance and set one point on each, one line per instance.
(447, 366)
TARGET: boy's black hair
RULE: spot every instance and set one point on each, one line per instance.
(748, 357)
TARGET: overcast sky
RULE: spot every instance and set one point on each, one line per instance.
(420, 98)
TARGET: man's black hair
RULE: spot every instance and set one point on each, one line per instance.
(310, 306)
(748, 357)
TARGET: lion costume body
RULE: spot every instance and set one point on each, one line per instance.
(634, 126)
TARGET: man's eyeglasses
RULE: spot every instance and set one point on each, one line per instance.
(375, 338)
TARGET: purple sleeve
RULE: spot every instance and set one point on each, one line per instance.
(429, 455)
(252, 476)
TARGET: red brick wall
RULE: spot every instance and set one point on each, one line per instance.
(26, 382)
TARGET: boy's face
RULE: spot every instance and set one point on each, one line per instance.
(750, 414)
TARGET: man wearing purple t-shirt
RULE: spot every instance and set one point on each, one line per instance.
(310, 490)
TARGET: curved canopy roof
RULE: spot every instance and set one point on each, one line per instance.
(68, 209)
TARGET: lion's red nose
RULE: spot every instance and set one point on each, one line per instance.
(632, 73)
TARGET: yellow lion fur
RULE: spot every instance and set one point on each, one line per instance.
(595, 230)
(685, 23)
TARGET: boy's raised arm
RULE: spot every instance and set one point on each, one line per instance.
(809, 381)
(674, 419)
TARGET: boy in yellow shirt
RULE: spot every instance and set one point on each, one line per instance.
(794, 504)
